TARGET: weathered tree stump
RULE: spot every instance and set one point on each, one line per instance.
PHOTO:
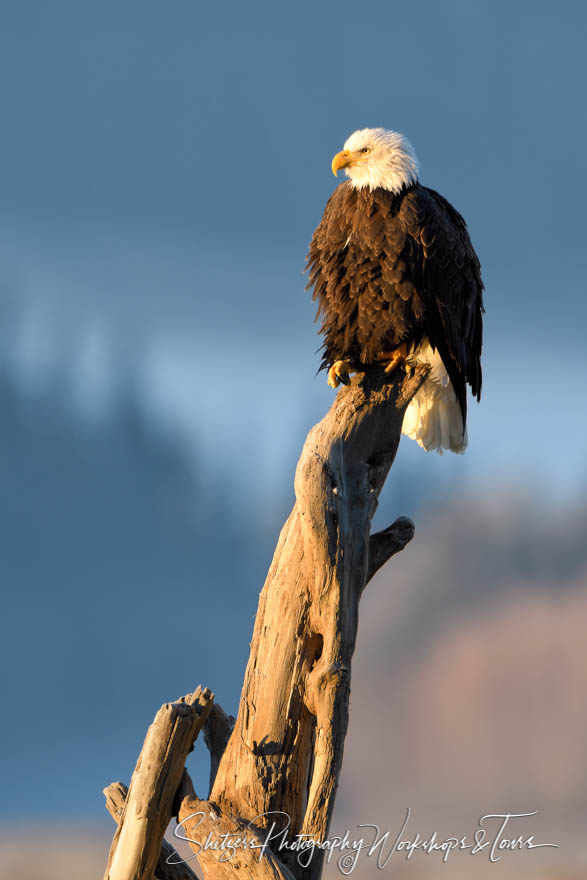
(284, 753)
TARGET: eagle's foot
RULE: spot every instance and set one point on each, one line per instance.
(339, 372)
(394, 359)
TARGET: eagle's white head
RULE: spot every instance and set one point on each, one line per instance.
(375, 157)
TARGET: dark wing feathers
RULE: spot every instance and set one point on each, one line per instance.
(452, 275)
(391, 268)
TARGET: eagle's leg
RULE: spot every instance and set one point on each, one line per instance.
(397, 357)
(339, 372)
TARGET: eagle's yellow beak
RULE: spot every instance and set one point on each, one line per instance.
(341, 160)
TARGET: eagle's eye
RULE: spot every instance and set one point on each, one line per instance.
(365, 150)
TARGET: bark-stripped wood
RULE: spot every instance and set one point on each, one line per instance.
(168, 867)
(201, 821)
(284, 754)
(386, 543)
(148, 806)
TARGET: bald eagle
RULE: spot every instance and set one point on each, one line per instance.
(398, 283)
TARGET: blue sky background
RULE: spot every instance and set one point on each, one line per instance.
(162, 168)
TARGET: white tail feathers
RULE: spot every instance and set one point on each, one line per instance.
(433, 417)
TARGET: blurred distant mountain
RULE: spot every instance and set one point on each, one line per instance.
(127, 572)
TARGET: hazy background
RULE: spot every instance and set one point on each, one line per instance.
(162, 168)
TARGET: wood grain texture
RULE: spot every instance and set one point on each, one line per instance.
(167, 867)
(149, 803)
(386, 543)
(285, 752)
(274, 771)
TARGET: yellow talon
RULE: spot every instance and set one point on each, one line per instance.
(393, 359)
(338, 372)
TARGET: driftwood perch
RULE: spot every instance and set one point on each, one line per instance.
(281, 763)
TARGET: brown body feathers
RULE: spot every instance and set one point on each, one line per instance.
(390, 268)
